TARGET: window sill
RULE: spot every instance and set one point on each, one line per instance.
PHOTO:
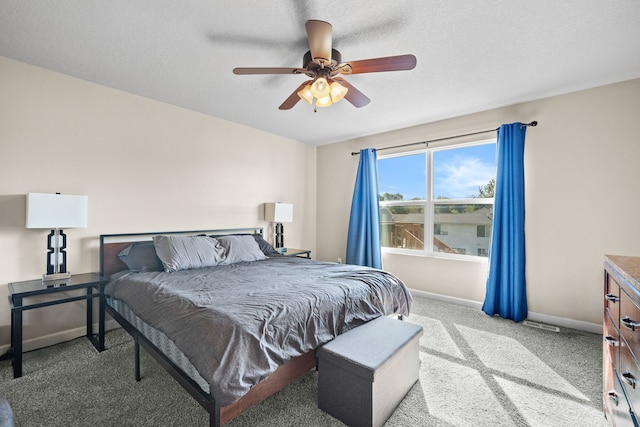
(436, 255)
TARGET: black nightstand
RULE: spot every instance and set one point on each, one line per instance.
(302, 253)
(92, 282)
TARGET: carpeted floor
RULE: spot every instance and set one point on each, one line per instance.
(476, 371)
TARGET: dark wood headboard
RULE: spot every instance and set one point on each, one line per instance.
(112, 244)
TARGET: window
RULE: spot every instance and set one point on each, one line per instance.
(438, 200)
(484, 230)
(441, 229)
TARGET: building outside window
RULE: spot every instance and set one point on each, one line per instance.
(483, 230)
(438, 200)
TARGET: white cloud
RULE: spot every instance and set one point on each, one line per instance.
(461, 176)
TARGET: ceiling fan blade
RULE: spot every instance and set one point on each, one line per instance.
(319, 34)
(354, 96)
(388, 63)
(269, 70)
(293, 98)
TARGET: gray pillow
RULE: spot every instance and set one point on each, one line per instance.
(240, 248)
(186, 252)
(141, 257)
(265, 246)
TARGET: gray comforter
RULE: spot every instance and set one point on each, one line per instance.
(238, 323)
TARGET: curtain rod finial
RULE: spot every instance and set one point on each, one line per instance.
(534, 123)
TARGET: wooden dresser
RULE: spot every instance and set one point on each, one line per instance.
(621, 347)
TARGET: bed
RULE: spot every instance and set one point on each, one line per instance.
(228, 317)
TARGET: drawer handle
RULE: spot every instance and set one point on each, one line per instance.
(613, 396)
(629, 379)
(611, 341)
(611, 297)
(628, 323)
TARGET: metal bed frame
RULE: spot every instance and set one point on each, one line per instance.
(217, 415)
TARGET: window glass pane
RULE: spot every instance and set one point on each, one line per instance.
(461, 172)
(452, 225)
(402, 226)
(403, 178)
(457, 229)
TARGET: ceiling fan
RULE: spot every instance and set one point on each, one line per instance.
(324, 65)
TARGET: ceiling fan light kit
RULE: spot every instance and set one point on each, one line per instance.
(322, 92)
(323, 65)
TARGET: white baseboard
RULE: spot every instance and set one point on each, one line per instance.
(58, 337)
(565, 322)
(537, 317)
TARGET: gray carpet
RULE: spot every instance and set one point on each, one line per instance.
(476, 371)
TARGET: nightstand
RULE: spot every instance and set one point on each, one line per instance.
(93, 283)
(302, 253)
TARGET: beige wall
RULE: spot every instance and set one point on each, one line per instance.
(582, 172)
(149, 166)
(145, 165)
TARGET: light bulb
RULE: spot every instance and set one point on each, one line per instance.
(320, 88)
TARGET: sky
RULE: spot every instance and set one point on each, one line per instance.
(457, 172)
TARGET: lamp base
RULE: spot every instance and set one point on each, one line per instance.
(279, 235)
(56, 277)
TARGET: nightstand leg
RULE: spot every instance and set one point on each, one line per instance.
(89, 313)
(96, 340)
(16, 337)
(101, 309)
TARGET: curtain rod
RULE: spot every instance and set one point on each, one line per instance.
(355, 153)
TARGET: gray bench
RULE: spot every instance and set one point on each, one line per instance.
(365, 373)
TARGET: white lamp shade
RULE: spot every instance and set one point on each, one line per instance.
(278, 212)
(56, 211)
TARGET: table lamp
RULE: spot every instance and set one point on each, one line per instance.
(56, 211)
(278, 213)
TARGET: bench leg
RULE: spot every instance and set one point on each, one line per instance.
(137, 356)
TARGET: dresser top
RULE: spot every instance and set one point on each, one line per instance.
(626, 266)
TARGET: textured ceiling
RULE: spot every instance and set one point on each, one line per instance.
(471, 56)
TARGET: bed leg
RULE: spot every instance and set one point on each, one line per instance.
(214, 413)
(137, 356)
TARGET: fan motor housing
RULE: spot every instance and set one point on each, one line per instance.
(307, 60)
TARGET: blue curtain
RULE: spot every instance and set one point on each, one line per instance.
(506, 288)
(363, 240)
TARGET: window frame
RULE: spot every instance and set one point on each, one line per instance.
(430, 203)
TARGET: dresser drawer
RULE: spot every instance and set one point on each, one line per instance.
(609, 401)
(612, 297)
(618, 410)
(630, 318)
(611, 337)
(629, 375)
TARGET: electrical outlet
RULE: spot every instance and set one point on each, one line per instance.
(339, 260)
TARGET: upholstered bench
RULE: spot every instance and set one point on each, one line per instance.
(364, 373)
